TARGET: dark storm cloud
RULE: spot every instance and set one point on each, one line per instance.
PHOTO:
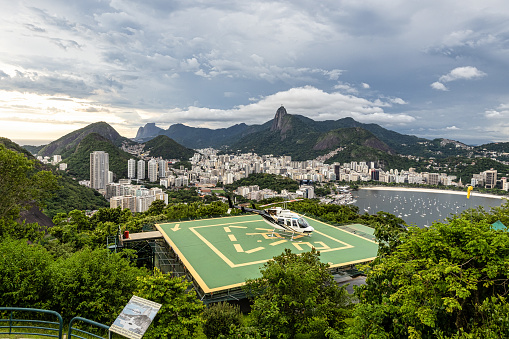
(397, 63)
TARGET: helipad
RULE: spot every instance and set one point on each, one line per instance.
(222, 253)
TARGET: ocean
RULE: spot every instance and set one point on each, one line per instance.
(31, 142)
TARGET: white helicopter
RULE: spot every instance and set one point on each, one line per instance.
(281, 219)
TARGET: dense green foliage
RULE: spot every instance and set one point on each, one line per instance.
(94, 284)
(189, 194)
(296, 294)
(21, 187)
(24, 274)
(219, 318)
(264, 180)
(180, 314)
(71, 195)
(436, 282)
(166, 148)
(79, 161)
(185, 164)
(502, 147)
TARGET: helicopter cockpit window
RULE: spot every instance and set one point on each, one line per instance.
(303, 223)
(294, 223)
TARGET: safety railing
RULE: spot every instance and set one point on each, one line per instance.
(17, 325)
(81, 332)
(14, 326)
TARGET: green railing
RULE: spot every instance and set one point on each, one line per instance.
(36, 327)
(17, 327)
(70, 334)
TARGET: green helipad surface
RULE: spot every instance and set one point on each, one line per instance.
(222, 253)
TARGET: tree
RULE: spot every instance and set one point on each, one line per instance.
(156, 207)
(94, 284)
(296, 294)
(388, 231)
(435, 283)
(180, 313)
(21, 187)
(219, 318)
(24, 274)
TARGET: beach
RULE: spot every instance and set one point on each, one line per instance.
(431, 190)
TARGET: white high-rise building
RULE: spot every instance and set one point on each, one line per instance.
(141, 169)
(162, 168)
(99, 169)
(131, 168)
(152, 170)
(56, 159)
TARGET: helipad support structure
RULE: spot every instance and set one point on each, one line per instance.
(220, 254)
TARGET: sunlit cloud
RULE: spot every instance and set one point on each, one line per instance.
(462, 73)
(439, 86)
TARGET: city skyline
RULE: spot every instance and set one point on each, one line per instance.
(433, 69)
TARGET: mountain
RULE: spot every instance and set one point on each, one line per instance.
(33, 149)
(69, 196)
(291, 134)
(166, 148)
(78, 162)
(193, 137)
(382, 159)
(502, 147)
(148, 131)
(9, 144)
(303, 139)
(67, 144)
(238, 137)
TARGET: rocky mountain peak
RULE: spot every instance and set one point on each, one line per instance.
(149, 130)
(277, 124)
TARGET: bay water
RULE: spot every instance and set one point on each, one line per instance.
(420, 208)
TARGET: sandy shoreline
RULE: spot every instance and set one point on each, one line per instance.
(431, 190)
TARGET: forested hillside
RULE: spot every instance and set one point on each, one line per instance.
(166, 148)
(264, 180)
(79, 161)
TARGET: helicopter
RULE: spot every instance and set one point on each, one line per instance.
(279, 218)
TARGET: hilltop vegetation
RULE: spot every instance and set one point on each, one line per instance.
(264, 180)
(70, 195)
(79, 161)
(66, 144)
(365, 153)
(166, 148)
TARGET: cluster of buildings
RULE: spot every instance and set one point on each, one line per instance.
(55, 160)
(210, 169)
(255, 193)
(135, 197)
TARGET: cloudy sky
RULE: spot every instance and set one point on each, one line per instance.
(436, 68)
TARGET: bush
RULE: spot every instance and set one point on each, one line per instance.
(219, 317)
(92, 284)
(23, 274)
